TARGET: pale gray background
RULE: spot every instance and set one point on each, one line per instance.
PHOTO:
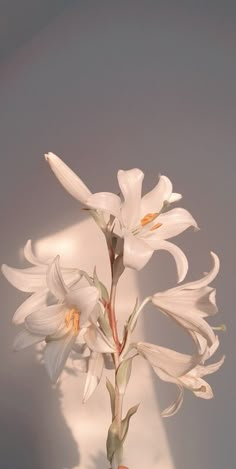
(109, 85)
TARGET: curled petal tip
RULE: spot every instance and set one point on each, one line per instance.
(48, 155)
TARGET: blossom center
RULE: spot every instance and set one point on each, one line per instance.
(148, 218)
(73, 318)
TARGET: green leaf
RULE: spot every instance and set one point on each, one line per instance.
(113, 444)
(111, 391)
(123, 374)
(132, 319)
(100, 286)
(104, 324)
(125, 421)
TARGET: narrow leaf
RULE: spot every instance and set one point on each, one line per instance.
(125, 421)
(123, 374)
(111, 391)
(104, 324)
(113, 443)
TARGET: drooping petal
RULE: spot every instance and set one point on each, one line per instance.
(46, 321)
(33, 303)
(71, 276)
(95, 368)
(212, 368)
(173, 408)
(176, 252)
(200, 301)
(27, 280)
(187, 319)
(153, 201)
(29, 255)
(208, 278)
(69, 180)
(198, 386)
(130, 183)
(172, 223)
(24, 339)
(84, 299)
(174, 363)
(97, 341)
(106, 202)
(136, 252)
(56, 354)
(55, 281)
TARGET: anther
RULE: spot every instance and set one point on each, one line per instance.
(148, 218)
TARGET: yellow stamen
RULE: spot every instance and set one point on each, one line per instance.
(76, 320)
(154, 227)
(148, 218)
(74, 316)
(69, 317)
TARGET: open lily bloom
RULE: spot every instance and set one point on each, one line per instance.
(58, 324)
(185, 371)
(143, 223)
(33, 280)
(190, 303)
(145, 226)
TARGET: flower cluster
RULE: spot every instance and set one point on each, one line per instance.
(69, 310)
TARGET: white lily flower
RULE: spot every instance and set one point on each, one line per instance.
(59, 324)
(185, 371)
(143, 225)
(33, 280)
(190, 303)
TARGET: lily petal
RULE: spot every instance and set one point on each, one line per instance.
(137, 252)
(46, 321)
(173, 222)
(173, 408)
(33, 303)
(85, 299)
(153, 201)
(24, 339)
(190, 321)
(105, 201)
(130, 183)
(95, 368)
(55, 281)
(26, 280)
(174, 363)
(208, 278)
(30, 256)
(176, 252)
(97, 341)
(200, 301)
(69, 180)
(212, 368)
(56, 354)
(198, 386)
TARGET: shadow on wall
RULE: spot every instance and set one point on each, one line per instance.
(32, 420)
